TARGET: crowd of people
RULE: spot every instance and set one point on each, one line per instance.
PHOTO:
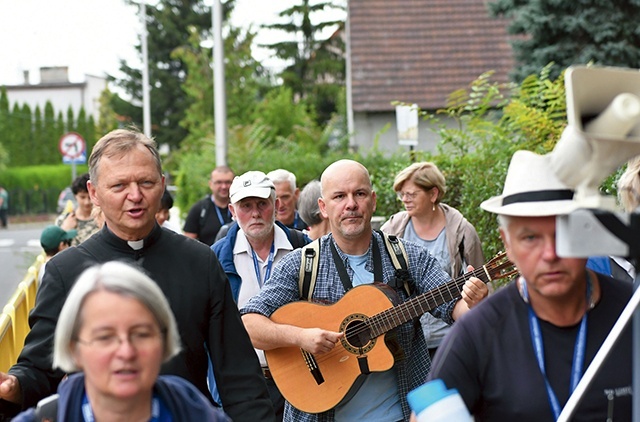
(135, 321)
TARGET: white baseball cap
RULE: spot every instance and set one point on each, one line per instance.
(250, 184)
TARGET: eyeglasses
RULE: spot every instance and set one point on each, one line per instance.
(139, 339)
(410, 195)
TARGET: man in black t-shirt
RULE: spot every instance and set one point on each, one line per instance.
(520, 353)
(209, 214)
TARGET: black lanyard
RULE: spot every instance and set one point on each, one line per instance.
(342, 270)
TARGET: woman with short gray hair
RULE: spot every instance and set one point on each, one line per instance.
(117, 328)
(310, 210)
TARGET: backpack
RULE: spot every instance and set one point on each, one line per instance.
(395, 248)
(297, 238)
(47, 409)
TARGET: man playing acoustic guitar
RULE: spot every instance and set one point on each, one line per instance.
(363, 376)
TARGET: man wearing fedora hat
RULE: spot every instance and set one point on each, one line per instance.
(521, 353)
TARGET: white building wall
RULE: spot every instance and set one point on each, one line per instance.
(369, 126)
(62, 95)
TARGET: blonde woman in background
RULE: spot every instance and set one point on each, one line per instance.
(441, 229)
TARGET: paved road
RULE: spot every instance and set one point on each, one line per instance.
(19, 246)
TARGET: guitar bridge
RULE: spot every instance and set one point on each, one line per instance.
(312, 364)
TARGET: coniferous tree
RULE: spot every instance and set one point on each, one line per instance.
(82, 128)
(70, 121)
(243, 84)
(61, 128)
(168, 27)
(5, 114)
(51, 134)
(315, 68)
(4, 127)
(25, 132)
(108, 119)
(604, 32)
(39, 151)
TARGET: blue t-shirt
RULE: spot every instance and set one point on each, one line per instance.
(377, 399)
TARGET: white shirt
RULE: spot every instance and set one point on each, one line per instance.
(243, 260)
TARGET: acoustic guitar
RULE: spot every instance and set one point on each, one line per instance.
(317, 383)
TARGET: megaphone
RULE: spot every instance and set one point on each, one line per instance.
(603, 131)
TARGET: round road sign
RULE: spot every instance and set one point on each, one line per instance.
(71, 145)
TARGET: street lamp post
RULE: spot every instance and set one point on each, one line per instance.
(219, 96)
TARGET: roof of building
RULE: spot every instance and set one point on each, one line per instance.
(419, 51)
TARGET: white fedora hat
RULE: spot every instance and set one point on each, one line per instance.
(531, 189)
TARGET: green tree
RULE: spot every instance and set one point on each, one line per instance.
(168, 26)
(108, 119)
(5, 125)
(22, 156)
(493, 121)
(316, 68)
(51, 135)
(571, 32)
(243, 83)
(70, 121)
(38, 154)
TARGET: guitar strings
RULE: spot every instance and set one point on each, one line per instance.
(429, 299)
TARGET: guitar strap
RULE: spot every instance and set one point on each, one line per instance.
(309, 269)
(310, 261)
(398, 256)
(342, 270)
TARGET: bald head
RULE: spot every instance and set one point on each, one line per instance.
(343, 168)
(348, 202)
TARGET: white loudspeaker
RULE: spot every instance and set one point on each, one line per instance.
(603, 112)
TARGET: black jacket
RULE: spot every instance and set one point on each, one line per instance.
(191, 278)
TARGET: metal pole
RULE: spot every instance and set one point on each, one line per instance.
(628, 313)
(219, 97)
(635, 403)
(350, 121)
(146, 108)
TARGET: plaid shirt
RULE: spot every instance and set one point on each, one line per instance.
(282, 288)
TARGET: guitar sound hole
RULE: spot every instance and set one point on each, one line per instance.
(357, 334)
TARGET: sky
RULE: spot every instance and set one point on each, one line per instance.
(92, 36)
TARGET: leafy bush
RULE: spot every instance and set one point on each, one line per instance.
(494, 121)
(35, 189)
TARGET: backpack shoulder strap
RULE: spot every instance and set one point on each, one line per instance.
(204, 211)
(297, 238)
(310, 261)
(47, 409)
(399, 258)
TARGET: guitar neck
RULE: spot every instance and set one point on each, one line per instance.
(415, 307)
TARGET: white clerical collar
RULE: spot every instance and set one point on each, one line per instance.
(136, 245)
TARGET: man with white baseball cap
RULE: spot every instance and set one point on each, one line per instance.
(520, 353)
(253, 244)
